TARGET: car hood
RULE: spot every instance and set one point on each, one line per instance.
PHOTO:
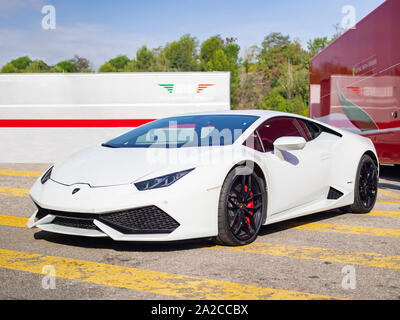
(101, 166)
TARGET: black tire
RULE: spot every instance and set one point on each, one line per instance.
(366, 186)
(242, 207)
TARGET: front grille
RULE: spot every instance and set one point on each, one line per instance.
(141, 220)
(146, 220)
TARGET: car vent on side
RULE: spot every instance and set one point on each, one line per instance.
(334, 194)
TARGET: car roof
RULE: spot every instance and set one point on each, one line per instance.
(260, 113)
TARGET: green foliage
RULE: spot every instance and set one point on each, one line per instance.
(182, 54)
(145, 60)
(66, 66)
(316, 45)
(277, 102)
(39, 66)
(9, 68)
(21, 63)
(208, 49)
(119, 63)
(107, 67)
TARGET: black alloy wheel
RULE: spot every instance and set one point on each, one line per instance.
(366, 186)
(242, 208)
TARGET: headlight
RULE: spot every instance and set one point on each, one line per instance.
(161, 182)
(47, 175)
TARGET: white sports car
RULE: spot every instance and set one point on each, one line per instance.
(220, 175)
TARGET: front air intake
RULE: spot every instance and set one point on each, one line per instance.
(140, 221)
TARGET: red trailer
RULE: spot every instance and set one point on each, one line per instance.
(355, 81)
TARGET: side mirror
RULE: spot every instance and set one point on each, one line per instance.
(288, 144)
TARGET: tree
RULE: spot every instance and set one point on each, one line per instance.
(107, 67)
(208, 49)
(286, 81)
(21, 63)
(161, 63)
(66, 66)
(9, 68)
(250, 58)
(182, 54)
(276, 50)
(275, 101)
(39, 66)
(119, 62)
(316, 45)
(82, 64)
(145, 60)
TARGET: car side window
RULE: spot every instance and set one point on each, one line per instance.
(279, 127)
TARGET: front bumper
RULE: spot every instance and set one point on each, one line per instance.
(179, 212)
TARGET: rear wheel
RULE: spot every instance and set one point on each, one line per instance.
(242, 207)
(366, 186)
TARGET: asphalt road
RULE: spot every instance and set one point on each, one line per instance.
(326, 255)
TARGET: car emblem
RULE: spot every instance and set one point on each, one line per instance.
(75, 190)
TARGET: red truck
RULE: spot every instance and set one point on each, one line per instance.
(355, 81)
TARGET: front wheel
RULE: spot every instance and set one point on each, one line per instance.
(366, 186)
(242, 207)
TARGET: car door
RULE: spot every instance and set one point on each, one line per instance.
(301, 177)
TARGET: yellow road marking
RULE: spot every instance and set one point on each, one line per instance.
(391, 214)
(327, 227)
(388, 202)
(13, 221)
(17, 173)
(16, 192)
(320, 254)
(390, 194)
(169, 284)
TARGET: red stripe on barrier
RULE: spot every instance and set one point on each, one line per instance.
(72, 123)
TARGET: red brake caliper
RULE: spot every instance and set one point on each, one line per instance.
(249, 205)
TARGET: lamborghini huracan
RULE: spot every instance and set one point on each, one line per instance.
(219, 175)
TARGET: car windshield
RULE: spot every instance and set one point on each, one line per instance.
(186, 131)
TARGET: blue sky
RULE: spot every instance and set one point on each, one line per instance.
(100, 30)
